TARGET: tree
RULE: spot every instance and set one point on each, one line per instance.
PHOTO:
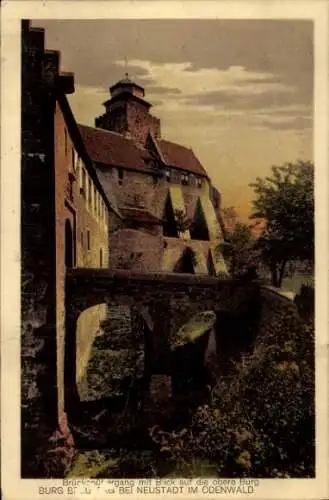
(183, 223)
(285, 203)
(230, 218)
(239, 249)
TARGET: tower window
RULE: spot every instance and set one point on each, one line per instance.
(120, 175)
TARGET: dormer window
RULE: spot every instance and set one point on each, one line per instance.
(184, 179)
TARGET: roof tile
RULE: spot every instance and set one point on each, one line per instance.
(111, 148)
(181, 157)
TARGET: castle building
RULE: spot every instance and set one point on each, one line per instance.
(113, 195)
(65, 220)
(155, 184)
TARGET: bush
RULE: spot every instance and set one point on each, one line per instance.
(260, 421)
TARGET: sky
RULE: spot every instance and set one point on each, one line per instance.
(238, 92)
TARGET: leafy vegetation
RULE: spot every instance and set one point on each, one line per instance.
(257, 421)
(260, 421)
(238, 249)
(285, 204)
(183, 223)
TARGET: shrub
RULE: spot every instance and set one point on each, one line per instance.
(260, 421)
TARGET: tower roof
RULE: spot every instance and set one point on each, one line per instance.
(126, 85)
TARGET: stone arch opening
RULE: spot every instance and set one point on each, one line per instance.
(187, 262)
(106, 348)
(210, 264)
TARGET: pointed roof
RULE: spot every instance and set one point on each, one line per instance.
(111, 148)
(127, 85)
(180, 157)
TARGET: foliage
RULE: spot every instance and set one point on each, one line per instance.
(230, 218)
(183, 223)
(285, 202)
(91, 464)
(239, 249)
(260, 421)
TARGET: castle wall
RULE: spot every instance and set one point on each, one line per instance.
(79, 207)
(140, 122)
(146, 191)
(138, 250)
(140, 190)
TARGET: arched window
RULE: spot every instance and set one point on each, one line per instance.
(69, 244)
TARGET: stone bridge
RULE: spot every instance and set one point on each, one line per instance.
(165, 301)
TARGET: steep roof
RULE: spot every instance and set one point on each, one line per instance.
(111, 148)
(181, 157)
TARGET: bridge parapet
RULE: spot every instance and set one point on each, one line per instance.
(87, 287)
(167, 301)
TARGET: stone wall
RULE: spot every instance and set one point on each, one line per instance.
(169, 301)
(145, 191)
(39, 396)
(133, 117)
(203, 250)
(150, 192)
(138, 250)
(140, 122)
(89, 233)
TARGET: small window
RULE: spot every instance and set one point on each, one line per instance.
(88, 239)
(120, 175)
(81, 238)
(168, 175)
(100, 257)
(199, 182)
(83, 182)
(184, 179)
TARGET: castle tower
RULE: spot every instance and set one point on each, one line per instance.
(127, 112)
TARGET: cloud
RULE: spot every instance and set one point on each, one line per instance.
(188, 81)
(298, 123)
(160, 89)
